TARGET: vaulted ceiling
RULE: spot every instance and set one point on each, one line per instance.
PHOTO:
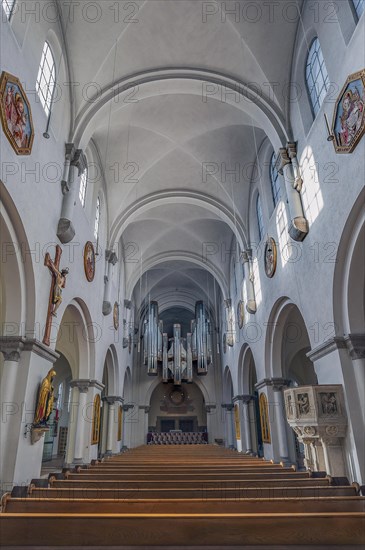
(183, 87)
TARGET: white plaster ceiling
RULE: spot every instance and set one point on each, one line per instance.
(161, 133)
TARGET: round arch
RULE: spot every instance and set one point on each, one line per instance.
(262, 110)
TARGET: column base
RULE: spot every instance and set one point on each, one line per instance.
(65, 230)
(286, 462)
(298, 229)
(251, 306)
(107, 308)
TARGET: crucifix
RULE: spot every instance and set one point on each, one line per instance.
(55, 295)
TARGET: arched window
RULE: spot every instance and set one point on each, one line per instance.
(8, 7)
(97, 219)
(316, 76)
(83, 187)
(274, 178)
(260, 218)
(46, 78)
(359, 6)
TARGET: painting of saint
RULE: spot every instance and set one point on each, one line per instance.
(16, 117)
(349, 117)
(89, 261)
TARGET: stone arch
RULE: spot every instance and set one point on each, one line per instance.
(349, 276)
(17, 274)
(286, 336)
(76, 339)
(263, 111)
(247, 376)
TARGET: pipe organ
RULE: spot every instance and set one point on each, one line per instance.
(177, 355)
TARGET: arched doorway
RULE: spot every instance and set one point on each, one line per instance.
(250, 415)
(286, 354)
(54, 449)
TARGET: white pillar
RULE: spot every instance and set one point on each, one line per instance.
(247, 423)
(251, 299)
(280, 420)
(298, 228)
(111, 259)
(65, 229)
(111, 431)
(80, 425)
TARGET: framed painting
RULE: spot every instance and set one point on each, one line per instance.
(348, 125)
(116, 315)
(270, 257)
(15, 114)
(89, 261)
(240, 313)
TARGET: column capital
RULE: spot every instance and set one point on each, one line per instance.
(277, 384)
(227, 303)
(128, 406)
(355, 344)
(111, 257)
(246, 255)
(145, 408)
(209, 408)
(228, 406)
(128, 304)
(69, 151)
(83, 384)
(79, 160)
(12, 346)
(292, 149)
(112, 399)
(244, 398)
(282, 160)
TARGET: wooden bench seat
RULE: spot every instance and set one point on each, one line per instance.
(327, 529)
(199, 493)
(178, 477)
(186, 483)
(150, 506)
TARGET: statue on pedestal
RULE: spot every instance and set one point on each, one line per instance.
(45, 400)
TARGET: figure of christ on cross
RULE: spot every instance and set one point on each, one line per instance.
(55, 296)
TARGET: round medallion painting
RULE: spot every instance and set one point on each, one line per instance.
(270, 257)
(240, 313)
(89, 261)
(116, 315)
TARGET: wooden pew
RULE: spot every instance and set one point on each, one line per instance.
(326, 529)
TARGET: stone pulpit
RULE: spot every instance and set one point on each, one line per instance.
(317, 414)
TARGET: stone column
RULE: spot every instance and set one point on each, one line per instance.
(333, 456)
(74, 166)
(112, 423)
(246, 258)
(83, 420)
(355, 344)
(280, 418)
(111, 259)
(288, 167)
(229, 423)
(80, 424)
(247, 422)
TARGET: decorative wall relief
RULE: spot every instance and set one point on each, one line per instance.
(348, 125)
(15, 114)
(329, 403)
(303, 403)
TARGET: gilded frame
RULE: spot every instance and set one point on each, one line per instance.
(357, 100)
(17, 123)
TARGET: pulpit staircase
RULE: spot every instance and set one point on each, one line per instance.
(180, 496)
